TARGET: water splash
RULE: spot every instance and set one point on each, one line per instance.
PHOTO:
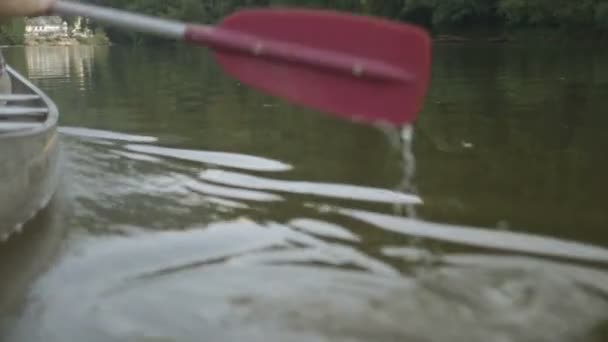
(408, 163)
(402, 138)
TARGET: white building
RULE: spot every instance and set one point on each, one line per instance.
(51, 26)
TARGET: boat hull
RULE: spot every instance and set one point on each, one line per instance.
(29, 163)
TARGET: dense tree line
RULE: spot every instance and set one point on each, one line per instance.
(12, 31)
(569, 14)
(437, 15)
(589, 15)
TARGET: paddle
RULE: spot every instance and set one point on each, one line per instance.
(355, 67)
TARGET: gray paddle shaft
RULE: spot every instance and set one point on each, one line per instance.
(138, 22)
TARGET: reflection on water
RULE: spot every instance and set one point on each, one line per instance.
(196, 209)
(73, 63)
(28, 253)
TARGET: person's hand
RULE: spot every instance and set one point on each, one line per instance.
(17, 8)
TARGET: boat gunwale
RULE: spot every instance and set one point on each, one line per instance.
(52, 118)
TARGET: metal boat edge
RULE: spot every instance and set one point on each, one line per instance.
(29, 153)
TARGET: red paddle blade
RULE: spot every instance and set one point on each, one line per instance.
(400, 51)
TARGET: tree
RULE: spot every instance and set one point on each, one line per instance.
(13, 32)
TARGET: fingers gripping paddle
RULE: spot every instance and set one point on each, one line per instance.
(355, 67)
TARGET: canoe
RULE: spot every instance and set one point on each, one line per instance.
(29, 151)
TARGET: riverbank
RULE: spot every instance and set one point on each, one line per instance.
(521, 36)
(96, 39)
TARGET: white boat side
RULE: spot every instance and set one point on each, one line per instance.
(29, 153)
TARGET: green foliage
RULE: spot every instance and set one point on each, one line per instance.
(13, 32)
(98, 38)
(601, 16)
(454, 12)
(548, 12)
(589, 15)
(71, 21)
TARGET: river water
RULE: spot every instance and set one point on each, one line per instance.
(192, 208)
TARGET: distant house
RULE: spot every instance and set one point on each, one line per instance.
(46, 26)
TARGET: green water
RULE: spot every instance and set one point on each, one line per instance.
(193, 208)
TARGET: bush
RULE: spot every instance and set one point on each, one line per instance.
(13, 32)
(570, 14)
(601, 16)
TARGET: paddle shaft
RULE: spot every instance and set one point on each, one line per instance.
(239, 43)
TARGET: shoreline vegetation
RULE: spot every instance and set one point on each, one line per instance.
(449, 21)
(97, 39)
(50, 31)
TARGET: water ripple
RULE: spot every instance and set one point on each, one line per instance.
(229, 282)
(239, 161)
(483, 238)
(82, 132)
(342, 191)
(324, 229)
